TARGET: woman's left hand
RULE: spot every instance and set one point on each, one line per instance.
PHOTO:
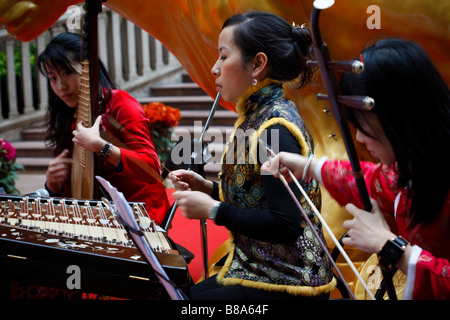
(89, 138)
(367, 231)
(194, 204)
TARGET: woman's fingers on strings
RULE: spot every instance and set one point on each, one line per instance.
(352, 209)
(347, 241)
(348, 224)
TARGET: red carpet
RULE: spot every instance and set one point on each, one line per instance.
(188, 234)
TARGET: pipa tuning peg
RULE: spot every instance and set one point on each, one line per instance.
(359, 102)
(353, 66)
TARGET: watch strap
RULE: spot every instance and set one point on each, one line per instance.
(106, 151)
(391, 253)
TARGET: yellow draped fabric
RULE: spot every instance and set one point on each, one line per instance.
(190, 29)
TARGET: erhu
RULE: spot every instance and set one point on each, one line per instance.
(327, 68)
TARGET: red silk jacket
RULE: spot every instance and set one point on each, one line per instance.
(138, 174)
(428, 274)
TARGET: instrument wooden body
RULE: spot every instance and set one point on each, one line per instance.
(82, 175)
(82, 171)
(41, 238)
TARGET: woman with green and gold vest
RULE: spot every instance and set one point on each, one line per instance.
(273, 253)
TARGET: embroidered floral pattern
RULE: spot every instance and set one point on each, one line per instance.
(302, 263)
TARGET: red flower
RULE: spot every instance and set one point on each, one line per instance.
(161, 118)
(159, 112)
(7, 151)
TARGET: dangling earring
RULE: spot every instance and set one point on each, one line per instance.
(255, 81)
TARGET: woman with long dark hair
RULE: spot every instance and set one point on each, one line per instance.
(408, 130)
(125, 153)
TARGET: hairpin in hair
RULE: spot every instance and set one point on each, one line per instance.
(294, 25)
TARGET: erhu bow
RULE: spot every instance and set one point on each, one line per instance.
(327, 67)
(82, 174)
(270, 154)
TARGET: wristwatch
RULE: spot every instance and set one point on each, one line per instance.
(391, 253)
(106, 151)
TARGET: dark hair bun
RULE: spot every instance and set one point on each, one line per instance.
(287, 49)
(302, 39)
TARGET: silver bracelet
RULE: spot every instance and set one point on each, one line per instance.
(213, 210)
(305, 170)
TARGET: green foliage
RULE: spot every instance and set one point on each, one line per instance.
(17, 60)
(161, 134)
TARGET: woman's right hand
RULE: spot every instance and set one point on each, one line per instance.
(58, 171)
(284, 161)
(184, 180)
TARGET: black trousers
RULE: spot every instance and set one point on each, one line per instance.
(209, 289)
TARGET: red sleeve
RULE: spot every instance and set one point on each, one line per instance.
(432, 278)
(338, 179)
(127, 121)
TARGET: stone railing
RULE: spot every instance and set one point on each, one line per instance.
(133, 58)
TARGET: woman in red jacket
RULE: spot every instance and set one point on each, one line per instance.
(132, 166)
(408, 130)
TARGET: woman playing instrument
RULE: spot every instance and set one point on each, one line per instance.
(125, 153)
(408, 130)
(274, 254)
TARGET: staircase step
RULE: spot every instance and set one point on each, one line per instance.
(38, 133)
(39, 165)
(193, 103)
(213, 133)
(214, 130)
(29, 182)
(32, 148)
(176, 89)
(183, 103)
(185, 77)
(220, 118)
(34, 164)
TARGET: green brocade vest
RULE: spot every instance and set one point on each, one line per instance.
(300, 268)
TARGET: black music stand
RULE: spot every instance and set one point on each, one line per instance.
(123, 211)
